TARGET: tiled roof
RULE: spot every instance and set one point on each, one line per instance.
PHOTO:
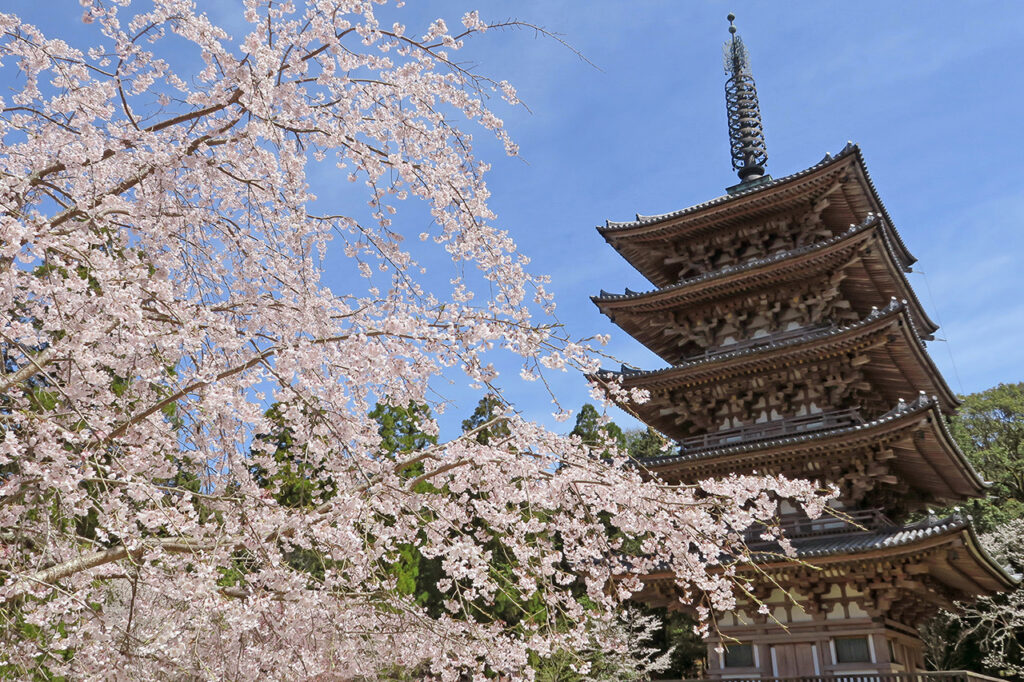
(902, 409)
(818, 336)
(882, 538)
(611, 227)
(868, 223)
(891, 538)
(893, 308)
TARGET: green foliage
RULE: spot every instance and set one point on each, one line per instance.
(509, 605)
(486, 411)
(293, 482)
(400, 429)
(989, 427)
(644, 443)
(401, 433)
(44, 400)
(635, 662)
(13, 620)
(593, 433)
(676, 630)
(947, 647)
(688, 656)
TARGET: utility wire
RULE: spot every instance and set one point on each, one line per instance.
(931, 302)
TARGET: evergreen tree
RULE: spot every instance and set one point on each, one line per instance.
(293, 478)
(401, 428)
(687, 657)
(644, 443)
(989, 427)
(593, 433)
(486, 411)
(401, 432)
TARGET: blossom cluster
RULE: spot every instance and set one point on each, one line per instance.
(164, 281)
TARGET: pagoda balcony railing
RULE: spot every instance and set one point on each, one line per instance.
(830, 523)
(744, 344)
(924, 676)
(772, 429)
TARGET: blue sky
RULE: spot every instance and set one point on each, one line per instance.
(932, 91)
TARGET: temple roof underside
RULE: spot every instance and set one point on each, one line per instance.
(910, 571)
(863, 253)
(908, 446)
(841, 182)
(885, 343)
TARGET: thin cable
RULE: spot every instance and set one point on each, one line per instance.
(931, 301)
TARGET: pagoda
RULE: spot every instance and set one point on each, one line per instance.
(795, 345)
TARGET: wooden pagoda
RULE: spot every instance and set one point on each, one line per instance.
(796, 346)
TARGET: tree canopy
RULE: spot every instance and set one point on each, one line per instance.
(595, 431)
(194, 341)
(989, 427)
(988, 635)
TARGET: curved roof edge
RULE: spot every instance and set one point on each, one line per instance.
(902, 410)
(611, 227)
(906, 536)
(869, 222)
(896, 308)
(849, 547)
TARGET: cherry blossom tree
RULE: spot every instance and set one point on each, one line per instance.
(988, 633)
(997, 622)
(168, 274)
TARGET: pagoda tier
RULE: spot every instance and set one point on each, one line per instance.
(866, 367)
(836, 281)
(796, 347)
(903, 460)
(879, 559)
(864, 578)
(780, 215)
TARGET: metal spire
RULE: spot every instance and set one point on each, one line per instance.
(746, 135)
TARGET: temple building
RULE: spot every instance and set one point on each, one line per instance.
(795, 345)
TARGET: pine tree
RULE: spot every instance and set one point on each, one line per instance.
(593, 432)
(644, 443)
(487, 410)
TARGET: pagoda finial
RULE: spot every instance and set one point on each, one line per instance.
(746, 135)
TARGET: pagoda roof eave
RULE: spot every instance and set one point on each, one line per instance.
(815, 343)
(893, 542)
(915, 342)
(855, 234)
(915, 537)
(806, 256)
(679, 221)
(901, 417)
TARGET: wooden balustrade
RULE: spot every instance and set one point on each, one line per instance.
(759, 341)
(772, 429)
(830, 523)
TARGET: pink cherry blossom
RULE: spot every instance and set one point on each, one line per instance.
(168, 274)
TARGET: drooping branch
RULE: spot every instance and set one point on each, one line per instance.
(36, 364)
(46, 577)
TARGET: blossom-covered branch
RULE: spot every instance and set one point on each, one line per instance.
(190, 478)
